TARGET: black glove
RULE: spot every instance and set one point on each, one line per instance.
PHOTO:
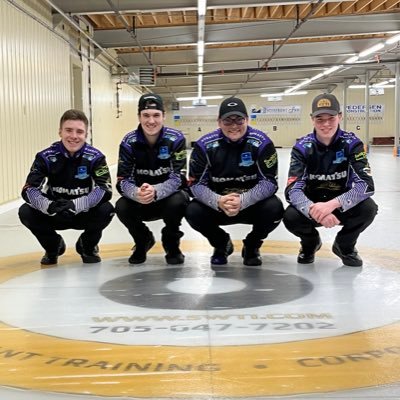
(63, 207)
(68, 210)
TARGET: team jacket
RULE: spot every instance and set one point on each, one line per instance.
(219, 166)
(321, 173)
(162, 165)
(83, 178)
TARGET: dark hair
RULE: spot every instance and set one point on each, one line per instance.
(75, 115)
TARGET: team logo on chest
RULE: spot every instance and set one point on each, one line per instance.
(339, 157)
(82, 172)
(164, 153)
(246, 159)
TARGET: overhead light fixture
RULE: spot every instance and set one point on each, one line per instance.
(197, 98)
(314, 78)
(383, 85)
(200, 48)
(357, 86)
(371, 50)
(332, 69)
(201, 7)
(351, 59)
(393, 39)
(298, 93)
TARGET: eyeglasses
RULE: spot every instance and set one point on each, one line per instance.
(231, 121)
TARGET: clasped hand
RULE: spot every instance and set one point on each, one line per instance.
(62, 207)
(322, 213)
(230, 204)
(146, 194)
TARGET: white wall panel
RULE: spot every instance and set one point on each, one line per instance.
(287, 130)
(34, 92)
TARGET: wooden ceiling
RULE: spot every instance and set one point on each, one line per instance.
(241, 40)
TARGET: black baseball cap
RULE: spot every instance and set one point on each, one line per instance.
(151, 101)
(232, 106)
(325, 103)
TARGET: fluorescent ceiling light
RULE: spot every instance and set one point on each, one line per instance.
(208, 106)
(332, 69)
(201, 7)
(200, 48)
(372, 49)
(393, 39)
(376, 85)
(197, 98)
(317, 76)
(351, 60)
(300, 92)
(383, 83)
(357, 87)
(298, 86)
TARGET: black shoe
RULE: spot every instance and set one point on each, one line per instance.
(307, 254)
(52, 258)
(220, 255)
(251, 256)
(350, 259)
(89, 256)
(140, 250)
(174, 257)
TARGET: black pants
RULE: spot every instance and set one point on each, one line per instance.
(44, 227)
(264, 216)
(171, 210)
(354, 221)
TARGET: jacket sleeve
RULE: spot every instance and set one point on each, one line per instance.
(267, 185)
(361, 184)
(102, 188)
(199, 177)
(177, 176)
(126, 184)
(297, 179)
(32, 191)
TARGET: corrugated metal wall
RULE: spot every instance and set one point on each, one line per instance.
(36, 87)
(108, 130)
(34, 92)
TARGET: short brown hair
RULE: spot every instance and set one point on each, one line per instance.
(75, 115)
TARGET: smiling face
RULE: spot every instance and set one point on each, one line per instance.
(326, 126)
(152, 122)
(233, 127)
(73, 135)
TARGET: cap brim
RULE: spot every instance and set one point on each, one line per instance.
(155, 105)
(319, 112)
(228, 114)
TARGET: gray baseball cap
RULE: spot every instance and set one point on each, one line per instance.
(325, 103)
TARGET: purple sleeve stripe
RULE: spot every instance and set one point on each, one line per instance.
(168, 187)
(37, 200)
(262, 190)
